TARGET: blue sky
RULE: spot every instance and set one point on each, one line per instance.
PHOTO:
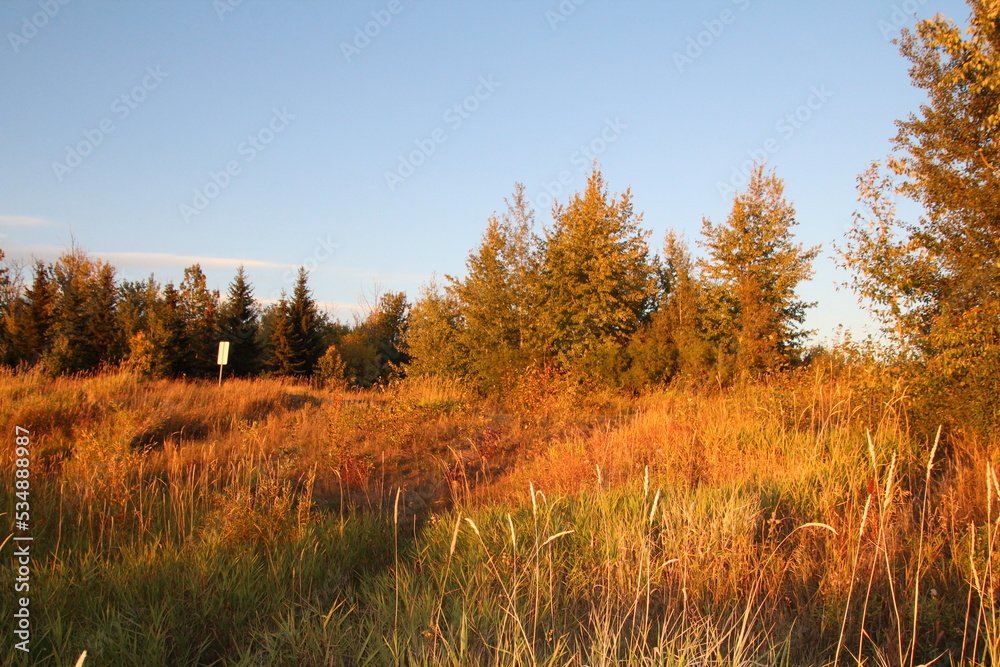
(370, 141)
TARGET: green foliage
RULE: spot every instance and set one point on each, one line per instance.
(281, 351)
(304, 327)
(751, 274)
(332, 369)
(167, 343)
(434, 338)
(85, 332)
(239, 323)
(295, 332)
(199, 308)
(32, 318)
(597, 282)
(136, 302)
(673, 343)
(499, 295)
(375, 350)
(935, 281)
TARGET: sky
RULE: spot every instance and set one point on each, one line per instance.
(371, 141)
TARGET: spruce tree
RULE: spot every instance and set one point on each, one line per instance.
(683, 308)
(6, 352)
(168, 341)
(597, 281)
(672, 343)
(239, 323)
(33, 317)
(136, 300)
(105, 327)
(282, 356)
(305, 325)
(498, 295)
(753, 270)
(75, 348)
(199, 308)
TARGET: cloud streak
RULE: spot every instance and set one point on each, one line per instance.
(22, 221)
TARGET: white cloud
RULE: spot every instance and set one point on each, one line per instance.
(166, 259)
(22, 221)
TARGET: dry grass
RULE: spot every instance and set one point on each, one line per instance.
(266, 522)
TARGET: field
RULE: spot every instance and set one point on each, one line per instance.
(809, 521)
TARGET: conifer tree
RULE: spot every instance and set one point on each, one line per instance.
(672, 342)
(684, 308)
(597, 281)
(199, 308)
(33, 317)
(79, 336)
(106, 331)
(168, 341)
(6, 352)
(498, 294)
(753, 270)
(136, 300)
(434, 339)
(304, 324)
(239, 323)
(282, 358)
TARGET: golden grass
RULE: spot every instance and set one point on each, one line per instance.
(801, 522)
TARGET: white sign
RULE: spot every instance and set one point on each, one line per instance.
(223, 353)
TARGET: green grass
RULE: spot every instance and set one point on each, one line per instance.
(798, 523)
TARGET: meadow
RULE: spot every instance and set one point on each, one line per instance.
(811, 520)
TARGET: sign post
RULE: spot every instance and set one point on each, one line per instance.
(223, 357)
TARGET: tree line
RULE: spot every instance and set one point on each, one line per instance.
(585, 296)
(74, 316)
(588, 296)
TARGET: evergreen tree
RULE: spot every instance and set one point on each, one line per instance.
(305, 325)
(136, 300)
(434, 339)
(498, 294)
(239, 323)
(199, 308)
(76, 343)
(168, 341)
(597, 281)
(753, 270)
(683, 308)
(282, 358)
(105, 328)
(33, 317)
(6, 353)
(672, 342)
